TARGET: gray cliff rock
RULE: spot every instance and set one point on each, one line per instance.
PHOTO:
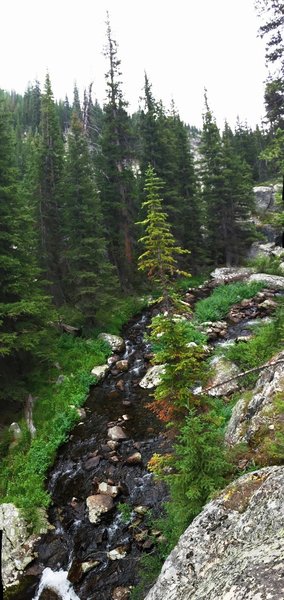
(223, 370)
(17, 549)
(258, 413)
(264, 197)
(234, 549)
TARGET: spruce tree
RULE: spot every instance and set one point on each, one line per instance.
(114, 171)
(23, 306)
(158, 258)
(50, 165)
(89, 281)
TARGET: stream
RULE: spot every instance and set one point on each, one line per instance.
(83, 560)
(101, 557)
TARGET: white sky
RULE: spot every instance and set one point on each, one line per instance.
(184, 45)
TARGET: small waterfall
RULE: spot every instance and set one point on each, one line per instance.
(57, 582)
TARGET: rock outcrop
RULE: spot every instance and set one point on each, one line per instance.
(234, 549)
(230, 274)
(275, 282)
(258, 412)
(17, 548)
(152, 377)
(264, 197)
(223, 370)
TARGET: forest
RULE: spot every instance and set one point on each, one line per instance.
(101, 210)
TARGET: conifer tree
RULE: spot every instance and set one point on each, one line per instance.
(49, 179)
(158, 258)
(114, 170)
(23, 306)
(89, 280)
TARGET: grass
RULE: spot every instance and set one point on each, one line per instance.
(268, 340)
(217, 305)
(184, 283)
(267, 264)
(24, 468)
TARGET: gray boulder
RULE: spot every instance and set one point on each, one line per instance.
(100, 372)
(17, 549)
(230, 274)
(116, 343)
(223, 370)
(98, 505)
(234, 549)
(258, 412)
(152, 377)
(264, 197)
(275, 282)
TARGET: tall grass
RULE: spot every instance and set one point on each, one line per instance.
(217, 305)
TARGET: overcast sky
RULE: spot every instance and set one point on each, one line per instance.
(184, 46)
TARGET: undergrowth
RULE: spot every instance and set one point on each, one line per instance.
(59, 389)
(217, 305)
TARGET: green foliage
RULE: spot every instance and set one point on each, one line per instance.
(125, 511)
(24, 469)
(200, 468)
(158, 258)
(268, 339)
(184, 283)
(267, 264)
(217, 305)
(149, 569)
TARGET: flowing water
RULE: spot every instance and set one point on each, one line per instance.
(75, 547)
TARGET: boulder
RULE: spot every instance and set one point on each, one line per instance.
(230, 274)
(100, 372)
(258, 412)
(264, 197)
(16, 432)
(134, 459)
(117, 553)
(116, 343)
(152, 377)
(268, 250)
(122, 365)
(223, 369)
(108, 490)
(98, 505)
(233, 550)
(275, 282)
(121, 593)
(17, 546)
(116, 433)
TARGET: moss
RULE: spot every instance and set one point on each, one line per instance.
(238, 495)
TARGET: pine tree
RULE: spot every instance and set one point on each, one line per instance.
(89, 280)
(49, 180)
(23, 306)
(158, 259)
(115, 174)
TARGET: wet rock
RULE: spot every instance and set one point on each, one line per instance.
(112, 444)
(116, 433)
(152, 377)
(49, 594)
(258, 412)
(223, 370)
(98, 505)
(134, 459)
(17, 545)
(121, 593)
(100, 372)
(148, 545)
(120, 385)
(214, 329)
(108, 490)
(125, 417)
(117, 553)
(116, 343)
(93, 462)
(141, 510)
(112, 359)
(234, 548)
(122, 365)
(81, 413)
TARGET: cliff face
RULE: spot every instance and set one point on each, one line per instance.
(234, 549)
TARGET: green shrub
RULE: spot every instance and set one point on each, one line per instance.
(222, 298)
(267, 264)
